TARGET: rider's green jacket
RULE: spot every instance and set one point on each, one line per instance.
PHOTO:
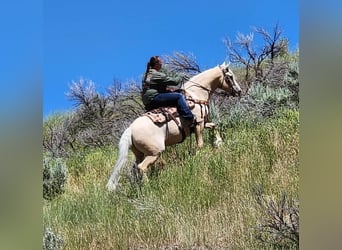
(157, 82)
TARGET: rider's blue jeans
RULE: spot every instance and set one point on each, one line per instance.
(174, 99)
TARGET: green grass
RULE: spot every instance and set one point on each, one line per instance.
(204, 199)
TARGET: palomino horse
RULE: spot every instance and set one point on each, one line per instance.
(148, 140)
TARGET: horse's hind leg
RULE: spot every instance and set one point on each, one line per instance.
(142, 166)
(139, 157)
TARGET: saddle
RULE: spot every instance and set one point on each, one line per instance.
(163, 115)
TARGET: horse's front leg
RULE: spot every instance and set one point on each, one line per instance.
(218, 141)
(199, 136)
(218, 137)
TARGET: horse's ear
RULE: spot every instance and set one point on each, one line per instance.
(224, 64)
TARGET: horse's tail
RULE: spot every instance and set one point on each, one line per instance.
(124, 145)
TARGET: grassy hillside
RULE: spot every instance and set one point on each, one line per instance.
(208, 199)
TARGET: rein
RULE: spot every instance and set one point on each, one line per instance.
(196, 84)
(200, 86)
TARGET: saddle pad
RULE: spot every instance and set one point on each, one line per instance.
(161, 115)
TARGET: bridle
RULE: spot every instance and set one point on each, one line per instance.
(226, 78)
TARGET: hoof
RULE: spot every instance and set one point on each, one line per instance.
(144, 178)
(111, 187)
(210, 125)
(218, 143)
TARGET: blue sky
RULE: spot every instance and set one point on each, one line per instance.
(106, 40)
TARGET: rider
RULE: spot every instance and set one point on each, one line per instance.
(155, 91)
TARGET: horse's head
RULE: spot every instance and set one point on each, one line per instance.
(229, 82)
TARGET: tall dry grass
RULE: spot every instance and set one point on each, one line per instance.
(204, 200)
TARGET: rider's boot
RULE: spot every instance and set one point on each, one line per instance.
(190, 124)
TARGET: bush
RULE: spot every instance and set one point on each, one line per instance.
(55, 176)
(279, 225)
(51, 241)
(292, 80)
(56, 135)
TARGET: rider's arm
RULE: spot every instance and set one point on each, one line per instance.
(163, 79)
